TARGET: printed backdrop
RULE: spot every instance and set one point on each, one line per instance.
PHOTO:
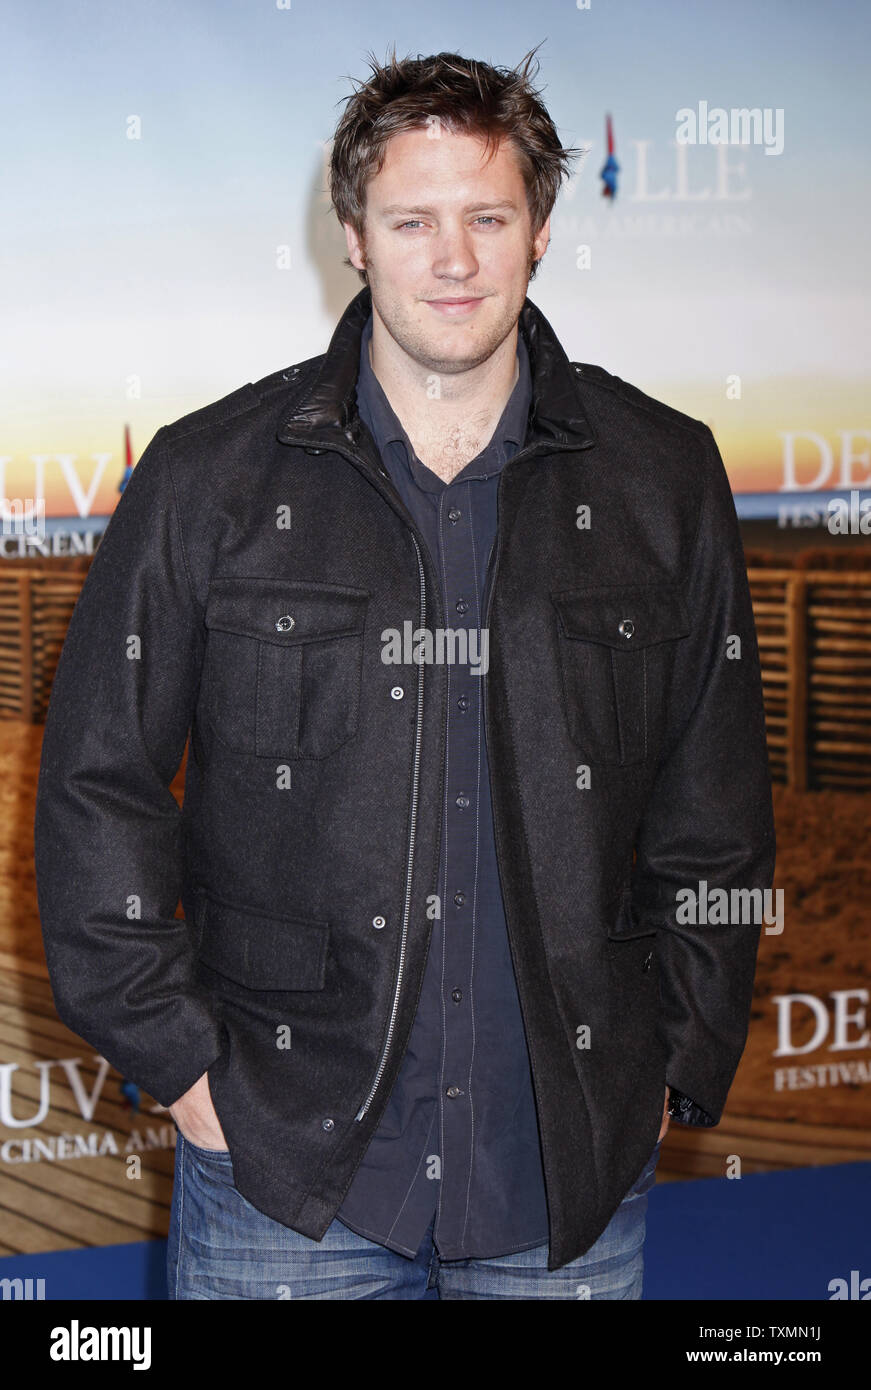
(168, 237)
(172, 237)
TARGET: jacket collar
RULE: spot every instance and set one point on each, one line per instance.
(327, 408)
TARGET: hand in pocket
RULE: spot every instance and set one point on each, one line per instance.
(196, 1117)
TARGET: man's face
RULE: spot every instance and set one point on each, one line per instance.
(445, 223)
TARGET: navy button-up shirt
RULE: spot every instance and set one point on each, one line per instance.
(458, 1143)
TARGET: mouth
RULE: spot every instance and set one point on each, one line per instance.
(451, 307)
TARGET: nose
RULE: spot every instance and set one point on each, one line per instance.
(454, 257)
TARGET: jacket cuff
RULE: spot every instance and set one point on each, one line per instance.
(685, 1111)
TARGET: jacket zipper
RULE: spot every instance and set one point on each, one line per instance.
(415, 787)
(328, 446)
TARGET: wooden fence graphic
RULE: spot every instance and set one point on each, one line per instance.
(36, 605)
(814, 631)
(813, 626)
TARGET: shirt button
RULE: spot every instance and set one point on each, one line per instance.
(285, 624)
(626, 628)
(454, 515)
(462, 605)
(456, 995)
(462, 801)
(379, 922)
(459, 899)
(328, 1124)
(463, 703)
(454, 1091)
(397, 692)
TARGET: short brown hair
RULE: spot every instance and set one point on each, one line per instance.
(466, 96)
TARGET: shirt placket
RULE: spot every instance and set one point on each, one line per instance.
(461, 571)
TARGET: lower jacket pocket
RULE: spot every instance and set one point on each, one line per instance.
(261, 951)
(627, 924)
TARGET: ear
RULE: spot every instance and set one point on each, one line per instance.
(356, 250)
(541, 239)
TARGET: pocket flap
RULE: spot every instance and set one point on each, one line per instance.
(306, 611)
(260, 951)
(657, 613)
(627, 925)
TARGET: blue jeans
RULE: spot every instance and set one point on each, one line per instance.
(220, 1246)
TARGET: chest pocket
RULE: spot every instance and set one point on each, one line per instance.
(282, 669)
(617, 646)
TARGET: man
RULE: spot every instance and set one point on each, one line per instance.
(462, 635)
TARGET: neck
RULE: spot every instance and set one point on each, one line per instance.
(448, 429)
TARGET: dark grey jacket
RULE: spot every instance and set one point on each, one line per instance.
(240, 592)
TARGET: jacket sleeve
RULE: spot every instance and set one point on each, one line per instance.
(108, 833)
(709, 818)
